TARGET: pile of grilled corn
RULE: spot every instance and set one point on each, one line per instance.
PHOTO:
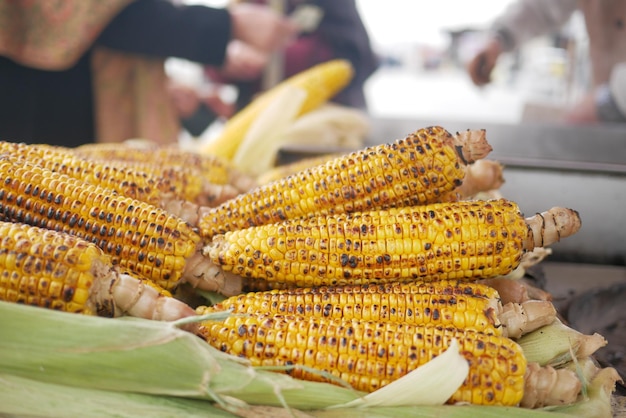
(353, 271)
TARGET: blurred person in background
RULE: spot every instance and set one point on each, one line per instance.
(339, 34)
(605, 22)
(79, 71)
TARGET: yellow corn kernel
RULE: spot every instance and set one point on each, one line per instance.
(282, 171)
(55, 270)
(137, 236)
(419, 169)
(395, 302)
(462, 240)
(370, 354)
(207, 167)
(174, 190)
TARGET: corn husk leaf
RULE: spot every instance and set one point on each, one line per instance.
(555, 344)
(55, 364)
(26, 397)
(259, 147)
(142, 356)
(441, 411)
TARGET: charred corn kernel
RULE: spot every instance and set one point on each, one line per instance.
(146, 186)
(55, 270)
(320, 82)
(394, 302)
(440, 287)
(139, 237)
(461, 240)
(282, 171)
(370, 354)
(418, 169)
(208, 167)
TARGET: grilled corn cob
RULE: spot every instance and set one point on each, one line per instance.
(285, 170)
(418, 169)
(210, 168)
(59, 271)
(396, 302)
(461, 240)
(139, 237)
(173, 190)
(369, 354)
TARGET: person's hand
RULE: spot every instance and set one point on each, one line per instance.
(261, 27)
(184, 98)
(243, 61)
(583, 112)
(480, 67)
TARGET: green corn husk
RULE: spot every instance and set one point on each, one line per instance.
(26, 397)
(55, 364)
(141, 356)
(557, 344)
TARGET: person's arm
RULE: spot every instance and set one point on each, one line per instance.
(606, 103)
(160, 28)
(527, 19)
(520, 22)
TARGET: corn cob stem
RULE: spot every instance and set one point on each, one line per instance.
(481, 176)
(522, 318)
(462, 240)
(55, 270)
(140, 238)
(421, 168)
(550, 226)
(547, 386)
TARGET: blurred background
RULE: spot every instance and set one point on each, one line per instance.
(424, 47)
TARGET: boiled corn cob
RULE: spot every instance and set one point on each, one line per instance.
(418, 169)
(320, 82)
(210, 168)
(59, 271)
(396, 302)
(370, 354)
(138, 237)
(462, 240)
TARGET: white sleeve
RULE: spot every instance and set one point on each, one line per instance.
(617, 85)
(526, 19)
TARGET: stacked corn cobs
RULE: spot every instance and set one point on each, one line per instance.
(356, 271)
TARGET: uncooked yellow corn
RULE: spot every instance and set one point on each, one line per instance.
(419, 169)
(461, 240)
(370, 354)
(55, 270)
(438, 304)
(139, 237)
(320, 82)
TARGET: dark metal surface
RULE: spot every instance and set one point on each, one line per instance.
(580, 167)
